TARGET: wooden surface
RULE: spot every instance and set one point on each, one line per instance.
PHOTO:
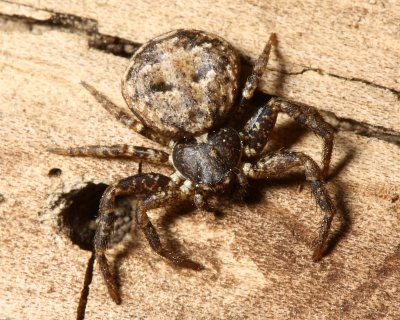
(341, 56)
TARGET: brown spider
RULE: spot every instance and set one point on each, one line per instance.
(182, 88)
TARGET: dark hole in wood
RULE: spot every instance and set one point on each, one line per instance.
(80, 213)
(54, 172)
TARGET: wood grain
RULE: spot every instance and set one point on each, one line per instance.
(342, 57)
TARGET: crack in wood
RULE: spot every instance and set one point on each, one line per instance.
(76, 24)
(361, 128)
(395, 92)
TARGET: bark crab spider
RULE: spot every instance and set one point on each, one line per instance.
(182, 88)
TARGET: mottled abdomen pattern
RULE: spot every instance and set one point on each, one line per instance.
(182, 83)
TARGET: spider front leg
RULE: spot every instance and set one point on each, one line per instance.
(254, 78)
(115, 151)
(258, 70)
(257, 130)
(141, 184)
(276, 164)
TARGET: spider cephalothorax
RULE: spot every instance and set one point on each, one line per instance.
(183, 89)
(210, 160)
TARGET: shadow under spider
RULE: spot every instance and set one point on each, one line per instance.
(345, 222)
(171, 243)
(343, 212)
(258, 188)
(287, 135)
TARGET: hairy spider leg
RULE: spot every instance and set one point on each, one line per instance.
(140, 184)
(115, 151)
(309, 117)
(128, 120)
(275, 164)
(255, 76)
(259, 68)
(257, 130)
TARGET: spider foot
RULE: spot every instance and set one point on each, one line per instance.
(110, 280)
(317, 255)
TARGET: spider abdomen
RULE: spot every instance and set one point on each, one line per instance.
(182, 83)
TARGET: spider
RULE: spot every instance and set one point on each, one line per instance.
(184, 92)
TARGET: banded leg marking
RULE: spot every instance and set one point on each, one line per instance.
(141, 184)
(310, 118)
(259, 68)
(256, 74)
(115, 151)
(257, 130)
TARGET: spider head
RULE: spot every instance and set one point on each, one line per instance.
(209, 159)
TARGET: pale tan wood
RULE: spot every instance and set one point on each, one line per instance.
(258, 256)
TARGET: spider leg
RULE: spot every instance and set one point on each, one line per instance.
(275, 164)
(140, 184)
(258, 70)
(115, 151)
(128, 120)
(240, 193)
(311, 118)
(257, 130)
